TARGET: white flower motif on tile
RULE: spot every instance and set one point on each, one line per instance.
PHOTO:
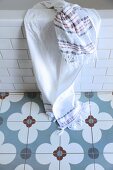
(6, 98)
(93, 121)
(97, 167)
(108, 152)
(28, 118)
(53, 153)
(106, 96)
(7, 151)
(24, 167)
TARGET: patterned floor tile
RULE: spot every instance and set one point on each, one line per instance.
(11, 133)
(36, 98)
(102, 164)
(30, 141)
(86, 164)
(36, 114)
(10, 104)
(101, 106)
(11, 162)
(81, 137)
(42, 162)
(102, 133)
(40, 135)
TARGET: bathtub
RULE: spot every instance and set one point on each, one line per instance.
(16, 71)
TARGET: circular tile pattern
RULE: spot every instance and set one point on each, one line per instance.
(25, 153)
(91, 121)
(93, 153)
(59, 153)
(29, 121)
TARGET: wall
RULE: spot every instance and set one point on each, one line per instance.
(16, 73)
(98, 76)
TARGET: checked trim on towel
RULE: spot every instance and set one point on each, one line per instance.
(66, 113)
(72, 117)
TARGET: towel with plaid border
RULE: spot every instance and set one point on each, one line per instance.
(76, 30)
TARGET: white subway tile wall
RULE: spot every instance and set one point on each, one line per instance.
(103, 54)
(20, 72)
(11, 32)
(25, 86)
(5, 44)
(19, 43)
(4, 72)
(25, 63)
(16, 70)
(9, 64)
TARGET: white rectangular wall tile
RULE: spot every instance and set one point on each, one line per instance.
(4, 72)
(91, 87)
(14, 54)
(108, 79)
(93, 71)
(9, 64)
(98, 79)
(104, 63)
(29, 79)
(25, 63)
(110, 72)
(107, 21)
(103, 54)
(106, 32)
(5, 44)
(10, 79)
(103, 79)
(11, 32)
(19, 43)
(25, 86)
(105, 43)
(20, 72)
(107, 86)
(6, 87)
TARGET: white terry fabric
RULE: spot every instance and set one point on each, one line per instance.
(55, 77)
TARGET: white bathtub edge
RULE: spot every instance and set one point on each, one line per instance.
(15, 17)
(12, 17)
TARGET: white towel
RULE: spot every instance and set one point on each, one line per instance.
(55, 77)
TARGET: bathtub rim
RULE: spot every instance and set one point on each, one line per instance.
(16, 17)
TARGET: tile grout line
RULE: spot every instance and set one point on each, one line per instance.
(28, 135)
(59, 145)
(92, 135)
(52, 153)
(91, 127)
(26, 148)
(92, 138)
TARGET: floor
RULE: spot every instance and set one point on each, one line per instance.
(30, 141)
